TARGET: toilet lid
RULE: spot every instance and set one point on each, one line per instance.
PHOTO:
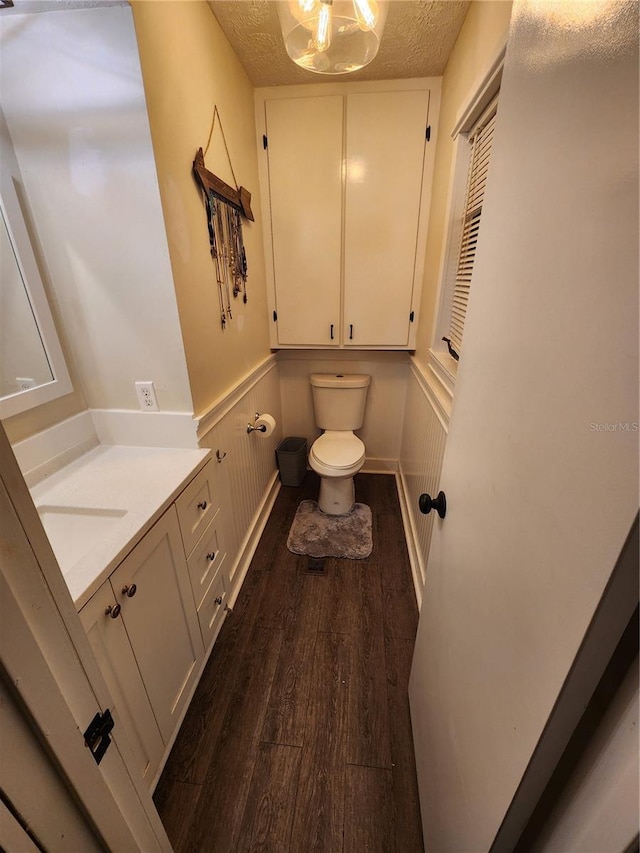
(338, 449)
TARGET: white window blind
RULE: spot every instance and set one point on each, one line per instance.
(481, 141)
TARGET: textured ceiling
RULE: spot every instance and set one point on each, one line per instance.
(416, 42)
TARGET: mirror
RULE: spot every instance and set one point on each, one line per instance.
(32, 366)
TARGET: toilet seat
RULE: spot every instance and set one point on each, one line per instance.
(337, 454)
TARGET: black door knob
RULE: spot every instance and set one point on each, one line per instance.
(427, 503)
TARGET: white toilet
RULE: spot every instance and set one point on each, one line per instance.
(337, 455)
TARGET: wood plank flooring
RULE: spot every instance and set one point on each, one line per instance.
(298, 737)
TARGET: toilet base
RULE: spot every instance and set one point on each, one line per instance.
(337, 495)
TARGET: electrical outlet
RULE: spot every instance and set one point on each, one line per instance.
(147, 396)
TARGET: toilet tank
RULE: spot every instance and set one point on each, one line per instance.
(339, 399)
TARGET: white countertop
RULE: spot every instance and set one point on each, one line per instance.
(97, 508)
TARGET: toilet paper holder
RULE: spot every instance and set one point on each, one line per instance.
(251, 428)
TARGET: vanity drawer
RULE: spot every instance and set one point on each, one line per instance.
(196, 507)
(212, 610)
(205, 560)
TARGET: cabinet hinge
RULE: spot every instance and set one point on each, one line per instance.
(427, 134)
(275, 316)
(97, 737)
(411, 316)
(265, 141)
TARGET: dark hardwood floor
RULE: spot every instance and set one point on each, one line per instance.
(298, 737)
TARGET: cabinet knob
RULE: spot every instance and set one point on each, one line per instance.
(219, 600)
(129, 590)
(202, 505)
(211, 556)
(112, 610)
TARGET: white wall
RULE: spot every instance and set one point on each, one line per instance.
(74, 102)
(382, 428)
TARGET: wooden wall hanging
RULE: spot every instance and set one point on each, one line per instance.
(225, 208)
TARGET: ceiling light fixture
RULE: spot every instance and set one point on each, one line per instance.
(332, 36)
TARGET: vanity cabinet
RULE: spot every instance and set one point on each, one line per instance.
(153, 589)
(107, 635)
(151, 621)
(348, 183)
(201, 524)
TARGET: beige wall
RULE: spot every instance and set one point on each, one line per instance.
(483, 34)
(188, 67)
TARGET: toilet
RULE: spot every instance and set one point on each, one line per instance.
(337, 455)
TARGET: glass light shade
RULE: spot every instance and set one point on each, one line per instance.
(332, 36)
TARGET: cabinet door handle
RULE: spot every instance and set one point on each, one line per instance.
(202, 505)
(350, 331)
(211, 556)
(331, 330)
(129, 590)
(112, 610)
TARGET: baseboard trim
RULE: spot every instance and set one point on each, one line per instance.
(250, 541)
(411, 538)
(380, 466)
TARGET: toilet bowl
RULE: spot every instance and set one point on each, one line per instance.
(337, 455)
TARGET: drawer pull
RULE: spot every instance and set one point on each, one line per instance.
(202, 505)
(112, 610)
(129, 590)
(211, 556)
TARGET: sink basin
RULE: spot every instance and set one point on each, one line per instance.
(74, 531)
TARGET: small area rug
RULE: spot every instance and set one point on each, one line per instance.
(320, 535)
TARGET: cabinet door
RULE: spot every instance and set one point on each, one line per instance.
(305, 186)
(385, 138)
(113, 652)
(161, 620)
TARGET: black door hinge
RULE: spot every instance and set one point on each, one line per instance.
(97, 737)
(411, 316)
(275, 316)
(265, 141)
(428, 133)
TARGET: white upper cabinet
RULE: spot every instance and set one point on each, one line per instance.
(305, 187)
(346, 179)
(385, 142)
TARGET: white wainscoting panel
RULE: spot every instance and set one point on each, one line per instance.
(424, 436)
(247, 475)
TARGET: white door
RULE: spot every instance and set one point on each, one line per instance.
(386, 138)
(305, 186)
(46, 658)
(540, 469)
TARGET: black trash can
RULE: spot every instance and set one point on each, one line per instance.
(291, 454)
